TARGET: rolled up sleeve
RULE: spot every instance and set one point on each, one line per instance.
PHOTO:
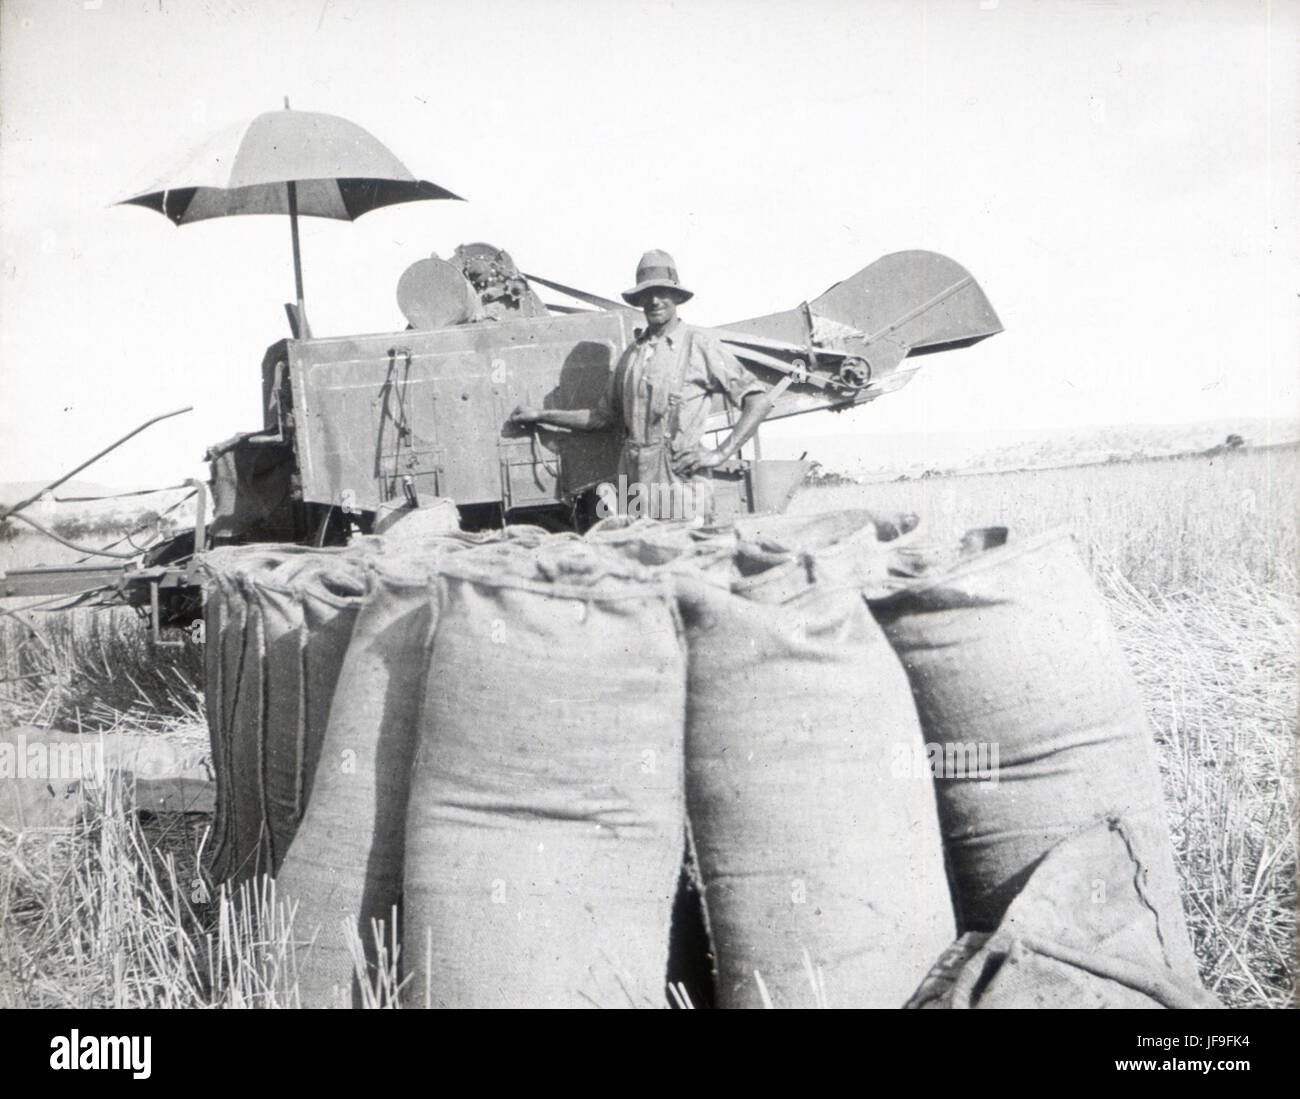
(725, 373)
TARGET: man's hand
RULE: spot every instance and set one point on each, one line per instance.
(697, 460)
(525, 415)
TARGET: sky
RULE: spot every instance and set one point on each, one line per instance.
(1120, 177)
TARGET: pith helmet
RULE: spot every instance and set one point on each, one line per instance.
(656, 269)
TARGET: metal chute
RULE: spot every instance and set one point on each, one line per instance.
(922, 300)
(847, 346)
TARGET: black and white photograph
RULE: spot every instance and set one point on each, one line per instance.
(650, 504)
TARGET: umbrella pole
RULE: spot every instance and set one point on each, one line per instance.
(304, 328)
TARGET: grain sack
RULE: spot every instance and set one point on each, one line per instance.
(225, 621)
(835, 549)
(345, 865)
(411, 549)
(658, 542)
(806, 532)
(1034, 722)
(279, 620)
(1081, 934)
(544, 833)
(330, 602)
(753, 544)
(822, 868)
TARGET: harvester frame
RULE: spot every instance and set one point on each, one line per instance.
(361, 432)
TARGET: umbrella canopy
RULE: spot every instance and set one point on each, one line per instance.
(287, 162)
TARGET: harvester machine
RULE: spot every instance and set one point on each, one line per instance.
(363, 432)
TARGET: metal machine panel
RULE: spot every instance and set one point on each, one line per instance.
(922, 299)
(904, 304)
(425, 412)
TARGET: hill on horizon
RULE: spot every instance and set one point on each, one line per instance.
(13, 491)
(910, 454)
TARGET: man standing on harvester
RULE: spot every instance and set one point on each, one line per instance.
(659, 395)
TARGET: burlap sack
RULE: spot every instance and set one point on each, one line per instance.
(1011, 654)
(278, 622)
(544, 832)
(345, 866)
(822, 867)
(1081, 934)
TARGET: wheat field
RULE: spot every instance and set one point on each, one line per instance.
(1196, 558)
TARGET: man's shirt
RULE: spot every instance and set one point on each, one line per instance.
(659, 393)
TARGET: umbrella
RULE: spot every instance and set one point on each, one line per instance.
(287, 162)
